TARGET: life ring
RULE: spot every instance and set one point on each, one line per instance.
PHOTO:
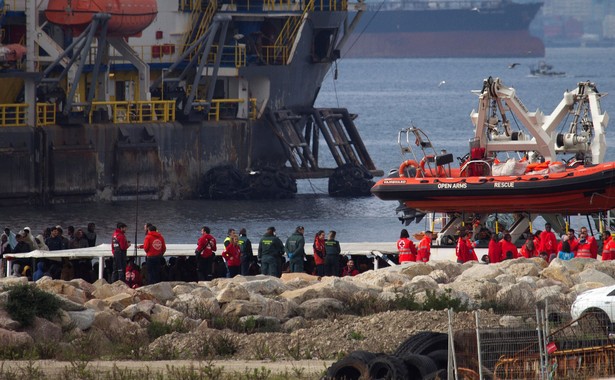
(422, 173)
(404, 165)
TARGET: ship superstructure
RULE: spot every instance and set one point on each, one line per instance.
(174, 99)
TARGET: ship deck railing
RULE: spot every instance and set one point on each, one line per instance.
(221, 108)
(149, 111)
(266, 5)
(14, 114)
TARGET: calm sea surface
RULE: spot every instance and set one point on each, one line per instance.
(387, 94)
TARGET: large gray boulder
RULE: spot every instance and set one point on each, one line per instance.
(520, 296)
(82, 319)
(265, 285)
(162, 292)
(10, 339)
(593, 275)
(232, 292)
(321, 308)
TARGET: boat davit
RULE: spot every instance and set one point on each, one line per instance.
(536, 176)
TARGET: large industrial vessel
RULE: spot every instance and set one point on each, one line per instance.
(446, 28)
(108, 99)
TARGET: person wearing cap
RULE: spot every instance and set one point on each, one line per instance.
(205, 252)
(295, 249)
(270, 253)
(119, 248)
(332, 255)
(245, 245)
(423, 252)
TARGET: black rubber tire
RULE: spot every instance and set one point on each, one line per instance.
(388, 367)
(419, 366)
(423, 343)
(348, 368)
(365, 356)
(440, 358)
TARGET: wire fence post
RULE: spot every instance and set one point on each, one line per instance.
(480, 359)
(452, 360)
(541, 347)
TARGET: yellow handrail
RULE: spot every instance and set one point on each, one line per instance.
(45, 114)
(218, 104)
(153, 111)
(13, 115)
(289, 31)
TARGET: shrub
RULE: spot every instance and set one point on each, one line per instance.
(157, 329)
(27, 301)
(443, 301)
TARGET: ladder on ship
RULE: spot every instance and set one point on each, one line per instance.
(193, 108)
(299, 133)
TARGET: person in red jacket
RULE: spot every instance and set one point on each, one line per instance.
(509, 249)
(133, 276)
(463, 250)
(495, 250)
(584, 247)
(593, 244)
(405, 247)
(607, 254)
(205, 252)
(528, 250)
(572, 241)
(154, 247)
(424, 251)
(319, 253)
(548, 242)
(610, 248)
(232, 255)
(350, 269)
(119, 248)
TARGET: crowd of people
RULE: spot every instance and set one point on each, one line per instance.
(500, 246)
(236, 256)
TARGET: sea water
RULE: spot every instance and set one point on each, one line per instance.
(387, 95)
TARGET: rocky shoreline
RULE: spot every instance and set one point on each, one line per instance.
(296, 317)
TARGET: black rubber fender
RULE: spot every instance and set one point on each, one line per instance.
(348, 368)
(419, 366)
(423, 343)
(388, 367)
(440, 358)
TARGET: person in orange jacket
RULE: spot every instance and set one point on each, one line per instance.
(405, 247)
(463, 248)
(319, 253)
(154, 247)
(424, 250)
(232, 255)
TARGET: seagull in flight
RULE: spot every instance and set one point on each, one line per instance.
(513, 65)
(442, 83)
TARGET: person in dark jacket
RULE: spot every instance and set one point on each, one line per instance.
(54, 242)
(270, 253)
(245, 245)
(295, 249)
(119, 248)
(332, 255)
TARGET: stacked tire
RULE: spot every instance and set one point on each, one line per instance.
(422, 356)
(350, 180)
(226, 182)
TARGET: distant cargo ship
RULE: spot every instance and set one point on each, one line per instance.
(445, 28)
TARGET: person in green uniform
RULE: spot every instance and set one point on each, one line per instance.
(270, 253)
(295, 245)
(332, 256)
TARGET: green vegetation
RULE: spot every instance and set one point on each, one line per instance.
(368, 304)
(25, 302)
